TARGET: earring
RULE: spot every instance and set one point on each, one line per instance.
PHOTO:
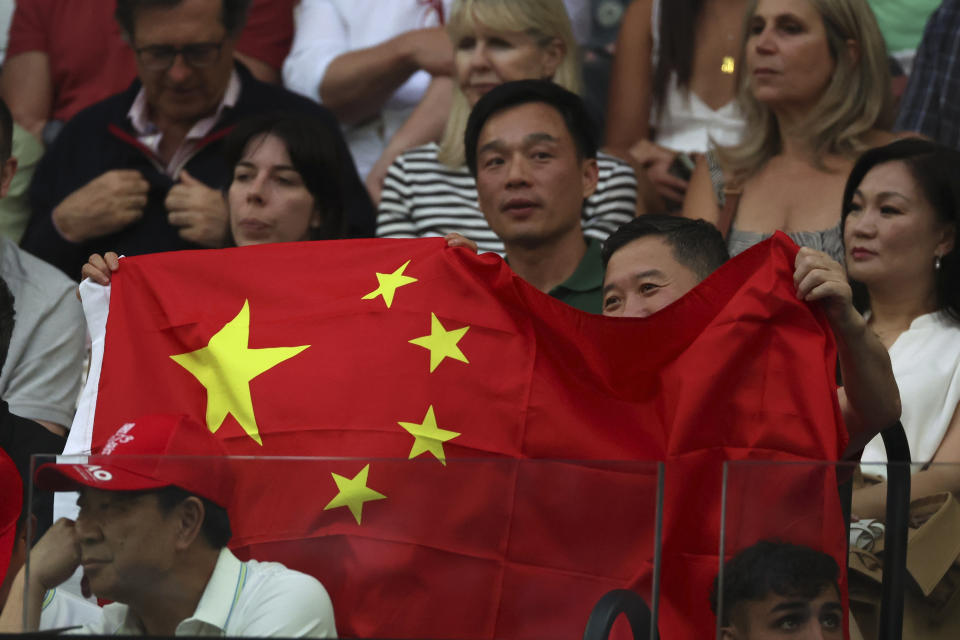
(936, 263)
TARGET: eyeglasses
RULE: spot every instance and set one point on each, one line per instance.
(160, 57)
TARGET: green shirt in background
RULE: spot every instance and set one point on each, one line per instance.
(902, 21)
(15, 208)
(584, 289)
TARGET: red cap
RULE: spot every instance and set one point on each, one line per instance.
(11, 501)
(149, 453)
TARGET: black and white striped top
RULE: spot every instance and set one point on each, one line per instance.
(423, 198)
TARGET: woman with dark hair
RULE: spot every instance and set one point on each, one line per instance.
(284, 185)
(672, 88)
(901, 211)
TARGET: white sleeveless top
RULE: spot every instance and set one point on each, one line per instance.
(686, 122)
(926, 365)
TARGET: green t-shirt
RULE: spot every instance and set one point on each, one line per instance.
(902, 21)
(584, 289)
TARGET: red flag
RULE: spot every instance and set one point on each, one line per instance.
(389, 349)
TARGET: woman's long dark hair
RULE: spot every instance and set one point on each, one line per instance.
(936, 171)
(313, 150)
(677, 28)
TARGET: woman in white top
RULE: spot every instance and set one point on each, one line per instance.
(428, 190)
(672, 88)
(901, 210)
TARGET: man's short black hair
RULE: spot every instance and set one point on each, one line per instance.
(233, 13)
(512, 94)
(6, 132)
(696, 244)
(216, 523)
(770, 566)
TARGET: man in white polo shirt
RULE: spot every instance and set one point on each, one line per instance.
(151, 536)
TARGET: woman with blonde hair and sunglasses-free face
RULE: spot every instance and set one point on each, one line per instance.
(814, 87)
(428, 191)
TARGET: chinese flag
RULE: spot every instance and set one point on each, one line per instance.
(490, 452)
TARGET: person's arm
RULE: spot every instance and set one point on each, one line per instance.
(628, 99)
(870, 399)
(45, 360)
(425, 124)
(27, 88)
(100, 268)
(355, 84)
(52, 560)
(198, 212)
(261, 70)
(701, 201)
(358, 83)
(871, 502)
(106, 204)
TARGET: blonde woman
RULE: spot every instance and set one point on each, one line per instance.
(428, 191)
(815, 90)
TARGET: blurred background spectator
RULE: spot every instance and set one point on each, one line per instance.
(64, 55)
(370, 63)
(815, 92)
(142, 171)
(901, 23)
(672, 90)
(931, 104)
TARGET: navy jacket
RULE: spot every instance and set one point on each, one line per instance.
(101, 138)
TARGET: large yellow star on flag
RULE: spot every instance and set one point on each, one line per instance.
(226, 366)
(353, 492)
(428, 437)
(389, 283)
(441, 343)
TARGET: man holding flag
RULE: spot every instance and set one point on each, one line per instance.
(411, 349)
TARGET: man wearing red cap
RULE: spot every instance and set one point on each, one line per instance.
(151, 536)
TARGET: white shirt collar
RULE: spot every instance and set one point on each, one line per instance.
(216, 604)
(149, 136)
(140, 118)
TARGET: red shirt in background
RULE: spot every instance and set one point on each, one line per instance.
(89, 59)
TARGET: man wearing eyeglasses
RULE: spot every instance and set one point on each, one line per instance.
(142, 170)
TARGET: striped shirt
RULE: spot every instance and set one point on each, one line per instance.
(423, 198)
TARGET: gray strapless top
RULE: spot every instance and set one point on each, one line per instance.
(829, 241)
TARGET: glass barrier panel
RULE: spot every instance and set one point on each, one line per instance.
(430, 547)
(803, 544)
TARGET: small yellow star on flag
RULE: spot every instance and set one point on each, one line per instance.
(428, 437)
(389, 283)
(441, 343)
(225, 368)
(353, 492)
